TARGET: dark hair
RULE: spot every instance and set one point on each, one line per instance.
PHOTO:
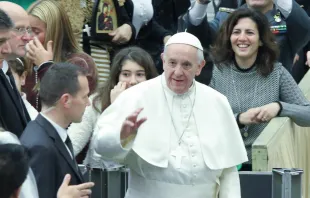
(59, 79)
(17, 65)
(135, 54)
(222, 53)
(14, 167)
(5, 21)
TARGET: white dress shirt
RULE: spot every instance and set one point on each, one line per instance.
(5, 68)
(33, 113)
(61, 132)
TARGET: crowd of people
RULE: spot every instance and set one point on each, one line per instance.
(185, 99)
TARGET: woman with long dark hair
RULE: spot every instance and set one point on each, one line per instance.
(130, 66)
(246, 71)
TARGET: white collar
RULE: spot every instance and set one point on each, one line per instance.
(5, 66)
(61, 131)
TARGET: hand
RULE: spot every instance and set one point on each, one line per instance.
(166, 39)
(122, 34)
(249, 117)
(131, 124)
(308, 58)
(203, 1)
(267, 112)
(76, 191)
(119, 88)
(37, 53)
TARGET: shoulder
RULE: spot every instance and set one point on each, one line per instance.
(210, 92)
(145, 87)
(33, 134)
(279, 69)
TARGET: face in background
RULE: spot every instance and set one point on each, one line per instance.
(180, 62)
(20, 35)
(19, 80)
(132, 73)
(245, 40)
(5, 48)
(79, 101)
(260, 4)
(38, 28)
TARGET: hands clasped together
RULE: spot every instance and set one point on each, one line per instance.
(260, 114)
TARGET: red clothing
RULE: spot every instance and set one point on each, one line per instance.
(80, 59)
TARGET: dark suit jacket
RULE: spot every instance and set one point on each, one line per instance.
(49, 158)
(13, 114)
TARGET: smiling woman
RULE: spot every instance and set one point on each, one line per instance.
(257, 87)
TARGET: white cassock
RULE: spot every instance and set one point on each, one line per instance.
(203, 165)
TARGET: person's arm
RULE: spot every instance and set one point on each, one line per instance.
(197, 12)
(42, 163)
(80, 133)
(297, 22)
(205, 31)
(230, 184)
(158, 32)
(126, 18)
(113, 137)
(294, 103)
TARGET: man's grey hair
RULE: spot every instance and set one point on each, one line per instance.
(200, 55)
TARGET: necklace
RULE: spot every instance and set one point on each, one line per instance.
(190, 115)
(246, 127)
(177, 153)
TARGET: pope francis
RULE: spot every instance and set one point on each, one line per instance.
(178, 137)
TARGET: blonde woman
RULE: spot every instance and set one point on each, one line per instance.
(54, 41)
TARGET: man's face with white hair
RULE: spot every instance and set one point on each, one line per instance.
(181, 65)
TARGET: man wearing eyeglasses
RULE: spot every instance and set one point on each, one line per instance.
(13, 113)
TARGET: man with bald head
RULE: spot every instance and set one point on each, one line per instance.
(21, 33)
(13, 113)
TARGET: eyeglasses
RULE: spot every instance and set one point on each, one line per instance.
(22, 31)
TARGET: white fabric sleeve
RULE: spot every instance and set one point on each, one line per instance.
(197, 13)
(33, 113)
(230, 183)
(80, 133)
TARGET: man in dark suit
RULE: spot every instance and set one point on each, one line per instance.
(64, 96)
(13, 114)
